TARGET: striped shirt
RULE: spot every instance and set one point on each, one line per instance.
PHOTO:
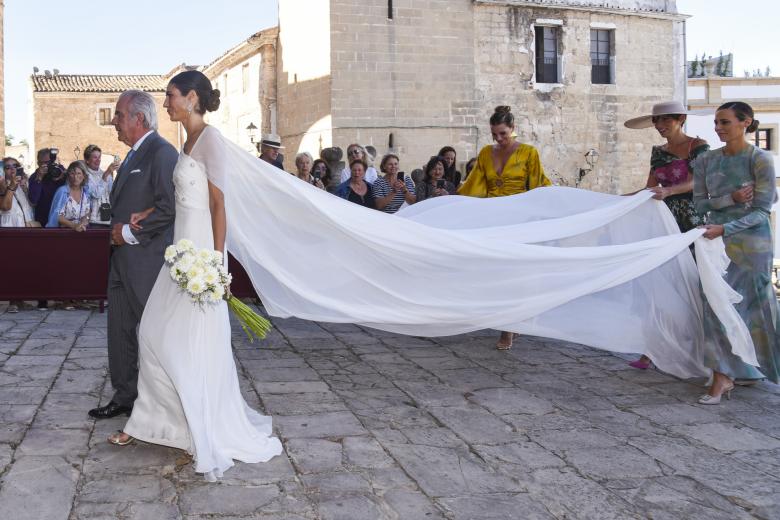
(382, 189)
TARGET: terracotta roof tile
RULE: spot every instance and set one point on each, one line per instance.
(97, 83)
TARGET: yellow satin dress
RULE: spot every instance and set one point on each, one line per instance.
(523, 172)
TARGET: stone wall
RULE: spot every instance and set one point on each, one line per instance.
(412, 76)
(433, 73)
(67, 120)
(566, 120)
(303, 68)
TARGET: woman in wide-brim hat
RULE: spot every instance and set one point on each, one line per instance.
(671, 173)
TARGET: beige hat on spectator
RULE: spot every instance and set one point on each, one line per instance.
(272, 141)
(661, 109)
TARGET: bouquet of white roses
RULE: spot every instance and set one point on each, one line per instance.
(203, 276)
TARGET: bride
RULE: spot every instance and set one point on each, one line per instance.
(600, 270)
(188, 390)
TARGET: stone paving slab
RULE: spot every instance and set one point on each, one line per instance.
(381, 426)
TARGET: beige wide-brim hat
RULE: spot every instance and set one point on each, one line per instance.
(663, 109)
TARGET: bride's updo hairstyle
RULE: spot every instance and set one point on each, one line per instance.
(502, 115)
(208, 98)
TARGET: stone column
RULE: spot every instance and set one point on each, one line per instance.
(268, 91)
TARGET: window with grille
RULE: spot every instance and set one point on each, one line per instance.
(763, 138)
(547, 54)
(600, 54)
(104, 116)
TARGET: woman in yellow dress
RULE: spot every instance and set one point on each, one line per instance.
(505, 168)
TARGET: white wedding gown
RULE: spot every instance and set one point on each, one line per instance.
(188, 391)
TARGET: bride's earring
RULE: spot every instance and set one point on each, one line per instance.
(189, 109)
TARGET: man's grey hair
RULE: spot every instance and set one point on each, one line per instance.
(140, 102)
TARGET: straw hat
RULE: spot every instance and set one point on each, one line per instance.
(660, 109)
(272, 141)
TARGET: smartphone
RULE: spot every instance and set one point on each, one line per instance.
(400, 176)
(440, 183)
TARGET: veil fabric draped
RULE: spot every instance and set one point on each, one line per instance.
(601, 270)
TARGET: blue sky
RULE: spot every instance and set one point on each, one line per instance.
(151, 37)
(118, 37)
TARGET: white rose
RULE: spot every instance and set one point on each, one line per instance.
(170, 254)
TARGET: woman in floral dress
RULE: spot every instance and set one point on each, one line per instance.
(671, 174)
(735, 187)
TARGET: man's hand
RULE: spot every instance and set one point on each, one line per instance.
(116, 235)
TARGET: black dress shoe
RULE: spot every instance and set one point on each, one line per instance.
(112, 409)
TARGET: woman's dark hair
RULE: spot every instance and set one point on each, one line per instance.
(431, 165)
(386, 158)
(325, 178)
(208, 98)
(358, 161)
(469, 167)
(502, 115)
(77, 165)
(743, 111)
(449, 171)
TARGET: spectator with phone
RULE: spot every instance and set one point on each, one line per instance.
(434, 184)
(450, 157)
(321, 172)
(99, 183)
(303, 165)
(72, 206)
(395, 188)
(356, 189)
(47, 179)
(16, 210)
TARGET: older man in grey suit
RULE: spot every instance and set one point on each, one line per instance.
(143, 181)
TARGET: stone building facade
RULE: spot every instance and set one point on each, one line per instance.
(246, 78)
(73, 111)
(427, 73)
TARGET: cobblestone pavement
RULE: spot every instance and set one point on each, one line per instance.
(382, 426)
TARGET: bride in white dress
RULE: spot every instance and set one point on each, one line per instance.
(188, 390)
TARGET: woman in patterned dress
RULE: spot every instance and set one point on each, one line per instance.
(735, 187)
(671, 174)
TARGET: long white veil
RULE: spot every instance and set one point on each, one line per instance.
(602, 270)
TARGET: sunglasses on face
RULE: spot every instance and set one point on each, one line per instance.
(354, 151)
(9, 166)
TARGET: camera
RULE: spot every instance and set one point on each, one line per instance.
(54, 170)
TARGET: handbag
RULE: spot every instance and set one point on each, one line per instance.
(105, 212)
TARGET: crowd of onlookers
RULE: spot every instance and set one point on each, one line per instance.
(358, 181)
(53, 196)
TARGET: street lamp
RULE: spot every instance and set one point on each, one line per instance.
(252, 131)
(592, 158)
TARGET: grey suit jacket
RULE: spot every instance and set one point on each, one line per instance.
(145, 181)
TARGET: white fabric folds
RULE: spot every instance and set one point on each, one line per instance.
(602, 270)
